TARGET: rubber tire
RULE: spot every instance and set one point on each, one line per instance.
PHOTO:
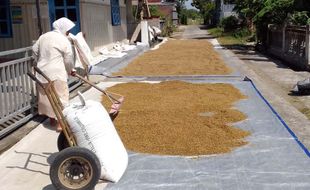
(62, 142)
(75, 152)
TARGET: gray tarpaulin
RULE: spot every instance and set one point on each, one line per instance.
(272, 159)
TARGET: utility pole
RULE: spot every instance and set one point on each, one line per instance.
(143, 9)
(39, 17)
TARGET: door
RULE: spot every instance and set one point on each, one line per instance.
(65, 8)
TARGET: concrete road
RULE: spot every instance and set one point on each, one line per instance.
(26, 165)
(273, 79)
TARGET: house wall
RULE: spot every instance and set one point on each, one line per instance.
(96, 23)
(131, 22)
(166, 10)
(95, 19)
(222, 10)
(170, 11)
(25, 32)
(227, 10)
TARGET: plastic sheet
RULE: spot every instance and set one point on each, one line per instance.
(273, 159)
(108, 66)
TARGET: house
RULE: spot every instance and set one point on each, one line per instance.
(102, 21)
(166, 7)
(227, 8)
(223, 8)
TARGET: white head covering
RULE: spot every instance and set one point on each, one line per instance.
(63, 25)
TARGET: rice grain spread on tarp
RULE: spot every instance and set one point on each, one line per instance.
(178, 57)
(179, 118)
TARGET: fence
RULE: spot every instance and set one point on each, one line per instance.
(290, 43)
(17, 100)
(17, 91)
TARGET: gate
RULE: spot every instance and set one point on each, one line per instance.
(290, 43)
(17, 91)
(17, 100)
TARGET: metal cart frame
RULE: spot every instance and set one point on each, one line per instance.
(73, 167)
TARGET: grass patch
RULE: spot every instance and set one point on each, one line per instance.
(237, 37)
(194, 22)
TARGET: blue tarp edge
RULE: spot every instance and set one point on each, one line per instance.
(302, 146)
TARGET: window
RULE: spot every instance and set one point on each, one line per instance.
(115, 13)
(65, 8)
(5, 19)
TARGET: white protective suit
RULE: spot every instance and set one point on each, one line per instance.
(54, 56)
(53, 51)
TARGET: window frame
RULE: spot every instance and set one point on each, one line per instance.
(8, 20)
(53, 8)
(115, 13)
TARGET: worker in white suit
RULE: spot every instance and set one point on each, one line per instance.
(54, 56)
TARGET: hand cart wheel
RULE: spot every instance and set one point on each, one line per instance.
(75, 168)
(62, 142)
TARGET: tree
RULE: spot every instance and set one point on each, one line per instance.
(299, 18)
(181, 10)
(247, 9)
(302, 5)
(180, 6)
(206, 8)
(192, 14)
(273, 12)
(259, 13)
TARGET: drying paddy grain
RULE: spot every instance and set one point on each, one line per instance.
(178, 57)
(179, 118)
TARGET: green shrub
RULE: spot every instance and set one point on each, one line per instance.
(183, 19)
(167, 28)
(241, 33)
(216, 32)
(155, 12)
(299, 18)
(229, 23)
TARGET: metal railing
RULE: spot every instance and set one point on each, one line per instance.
(290, 43)
(17, 93)
(295, 42)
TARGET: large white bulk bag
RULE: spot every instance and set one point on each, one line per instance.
(83, 52)
(83, 48)
(94, 130)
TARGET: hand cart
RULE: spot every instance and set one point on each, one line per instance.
(73, 167)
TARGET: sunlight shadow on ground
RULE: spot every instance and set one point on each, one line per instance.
(34, 162)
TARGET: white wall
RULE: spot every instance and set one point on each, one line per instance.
(95, 18)
(25, 32)
(96, 23)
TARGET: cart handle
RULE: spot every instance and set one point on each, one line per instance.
(35, 79)
(41, 73)
(101, 90)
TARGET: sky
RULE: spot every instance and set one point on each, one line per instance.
(188, 4)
